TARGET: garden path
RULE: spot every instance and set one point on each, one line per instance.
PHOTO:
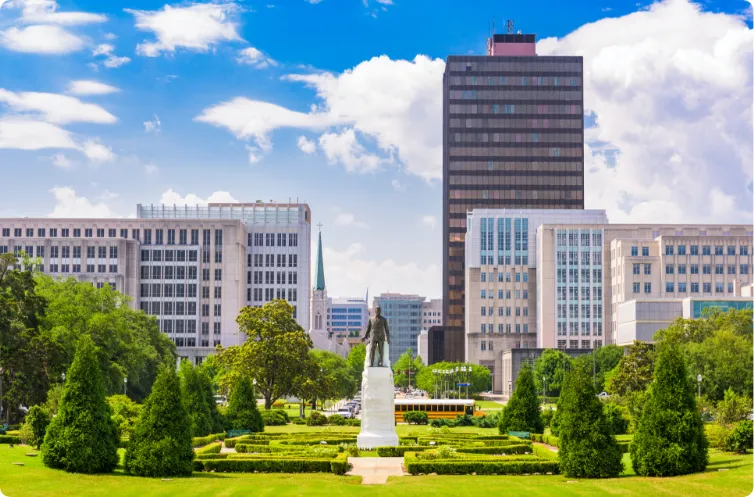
(375, 470)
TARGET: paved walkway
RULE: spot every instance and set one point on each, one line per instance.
(375, 470)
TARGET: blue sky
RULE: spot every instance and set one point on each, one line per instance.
(139, 102)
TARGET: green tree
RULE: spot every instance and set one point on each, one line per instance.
(478, 376)
(195, 400)
(82, 438)
(125, 414)
(606, 359)
(670, 438)
(38, 419)
(242, 409)
(586, 447)
(275, 352)
(634, 371)
(616, 418)
(208, 396)
(161, 442)
(522, 411)
(733, 408)
(551, 366)
(344, 385)
(740, 440)
(356, 358)
(405, 363)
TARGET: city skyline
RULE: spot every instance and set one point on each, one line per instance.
(226, 114)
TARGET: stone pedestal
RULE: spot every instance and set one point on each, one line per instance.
(377, 409)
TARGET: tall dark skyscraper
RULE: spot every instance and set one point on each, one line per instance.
(513, 137)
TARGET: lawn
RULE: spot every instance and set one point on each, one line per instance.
(489, 405)
(35, 480)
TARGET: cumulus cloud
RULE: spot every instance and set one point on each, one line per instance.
(673, 111)
(97, 152)
(46, 12)
(111, 60)
(397, 185)
(55, 108)
(61, 161)
(88, 87)
(349, 271)
(70, 205)
(307, 146)
(256, 58)
(153, 126)
(196, 27)
(29, 134)
(395, 103)
(41, 39)
(344, 148)
(171, 197)
(348, 219)
(430, 221)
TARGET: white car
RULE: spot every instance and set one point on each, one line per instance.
(603, 395)
(345, 412)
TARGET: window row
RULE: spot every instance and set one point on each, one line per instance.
(573, 293)
(573, 238)
(518, 94)
(515, 166)
(179, 290)
(76, 268)
(457, 123)
(574, 311)
(176, 272)
(513, 109)
(65, 252)
(268, 294)
(497, 182)
(176, 309)
(272, 277)
(506, 277)
(169, 255)
(527, 65)
(573, 274)
(706, 269)
(503, 295)
(706, 250)
(272, 260)
(159, 237)
(685, 287)
(555, 81)
(535, 137)
(572, 257)
(574, 344)
(273, 239)
(503, 328)
(506, 311)
(587, 328)
(511, 151)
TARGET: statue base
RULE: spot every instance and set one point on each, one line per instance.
(377, 409)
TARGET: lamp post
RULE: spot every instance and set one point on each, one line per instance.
(1, 392)
(458, 381)
(510, 388)
(698, 385)
(544, 390)
(63, 376)
(434, 375)
(125, 383)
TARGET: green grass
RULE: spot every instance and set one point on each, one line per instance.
(35, 480)
(489, 405)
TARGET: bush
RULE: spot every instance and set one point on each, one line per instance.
(316, 418)
(741, 439)
(125, 413)
(201, 441)
(38, 419)
(194, 400)
(231, 442)
(586, 447)
(732, 409)
(299, 421)
(10, 439)
(717, 434)
(480, 467)
(617, 420)
(670, 438)
(242, 411)
(278, 404)
(555, 422)
(416, 417)
(547, 416)
(336, 420)
(442, 452)
(275, 418)
(338, 465)
(82, 438)
(522, 411)
(353, 422)
(488, 421)
(213, 448)
(161, 443)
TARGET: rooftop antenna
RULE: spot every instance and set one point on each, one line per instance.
(509, 24)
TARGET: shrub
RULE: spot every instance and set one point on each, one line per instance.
(617, 419)
(201, 441)
(316, 418)
(82, 438)
(338, 465)
(195, 400)
(670, 438)
(10, 439)
(522, 411)
(336, 420)
(275, 418)
(732, 409)
(231, 442)
(740, 440)
(717, 434)
(242, 408)
(555, 422)
(441, 423)
(547, 416)
(416, 417)
(480, 467)
(586, 448)
(353, 422)
(213, 448)
(442, 452)
(278, 404)
(488, 421)
(38, 419)
(125, 413)
(299, 421)
(161, 443)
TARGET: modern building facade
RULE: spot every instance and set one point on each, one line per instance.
(512, 138)
(404, 315)
(422, 346)
(511, 362)
(431, 313)
(347, 317)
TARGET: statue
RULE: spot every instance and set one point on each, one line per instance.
(380, 333)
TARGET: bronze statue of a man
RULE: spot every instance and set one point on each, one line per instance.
(380, 334)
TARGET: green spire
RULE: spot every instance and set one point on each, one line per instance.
(319, 282)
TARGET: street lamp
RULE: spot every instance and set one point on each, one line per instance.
(698, 385)
(434, 375)
(458, 382)
(544, 390)
(63, 376)
(125, 382)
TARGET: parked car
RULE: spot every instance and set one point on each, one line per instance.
(345, 412)
(603, 395)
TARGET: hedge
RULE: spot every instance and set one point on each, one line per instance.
(461, 441)
(316, 441)
(242, 448)
(479, 467)
(213, 448)
(509, 449)
(10, 439)
(339, 465)
(200, 441)
(231, 442)
(545, 453)
(401, 450)
(545, 439)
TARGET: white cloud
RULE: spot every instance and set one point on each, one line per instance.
(674, 106)
(344, 148)
(41, 39)
(430, 221)
(151, 169)
(253, 57)
(196, 27)
(348, 219)
(349, 272)
(397, 185)
(69, 205)
(307, 146)
(153, 126)
(55, 108)
(111, 60)
(88, 87)
(46, 12)
(255, 154)
(397, 104)
(61, 161)
(171, 197)
(97, 152)
(28, 134)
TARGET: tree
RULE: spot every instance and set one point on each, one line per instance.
(401, 368)
(522, 411)
(38, 419)
(161, 442)
(616, 420)
(275, 351)
(208, 395)
(634, 371)
(82, 438)
(741, 439)
(670, 438)
(344, 385)
(733, 408)
(242, 409)
(125, 414)
(606, 359)
(356, 358)
(551, 366)
(479, 377)
(195, 400)
(586, 447)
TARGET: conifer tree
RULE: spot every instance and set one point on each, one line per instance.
(195, 400)
(586, 447)
(208, 393)
(242, 408)
(670, 438)
(522, 411)
(82, 437)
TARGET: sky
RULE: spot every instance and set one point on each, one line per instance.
(338, 103)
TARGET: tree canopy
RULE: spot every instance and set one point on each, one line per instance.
(551, 366)
(634, 370)
(479, 377)
(405, 363)
(522, 411)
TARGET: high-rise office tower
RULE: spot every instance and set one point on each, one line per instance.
(513, 137)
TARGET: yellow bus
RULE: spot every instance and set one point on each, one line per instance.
(435, 408)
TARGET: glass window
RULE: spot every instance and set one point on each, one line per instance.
(634, 251)
(645, 251)
(681, 249)
(695, 250)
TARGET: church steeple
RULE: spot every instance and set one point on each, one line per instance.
(319, 280)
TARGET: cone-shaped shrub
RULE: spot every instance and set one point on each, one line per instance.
(195, 401)
(161, 443)
(218, 424)
(586, 447)
(82, 437)
(242, 408)
(670, 437)
(522, 411)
